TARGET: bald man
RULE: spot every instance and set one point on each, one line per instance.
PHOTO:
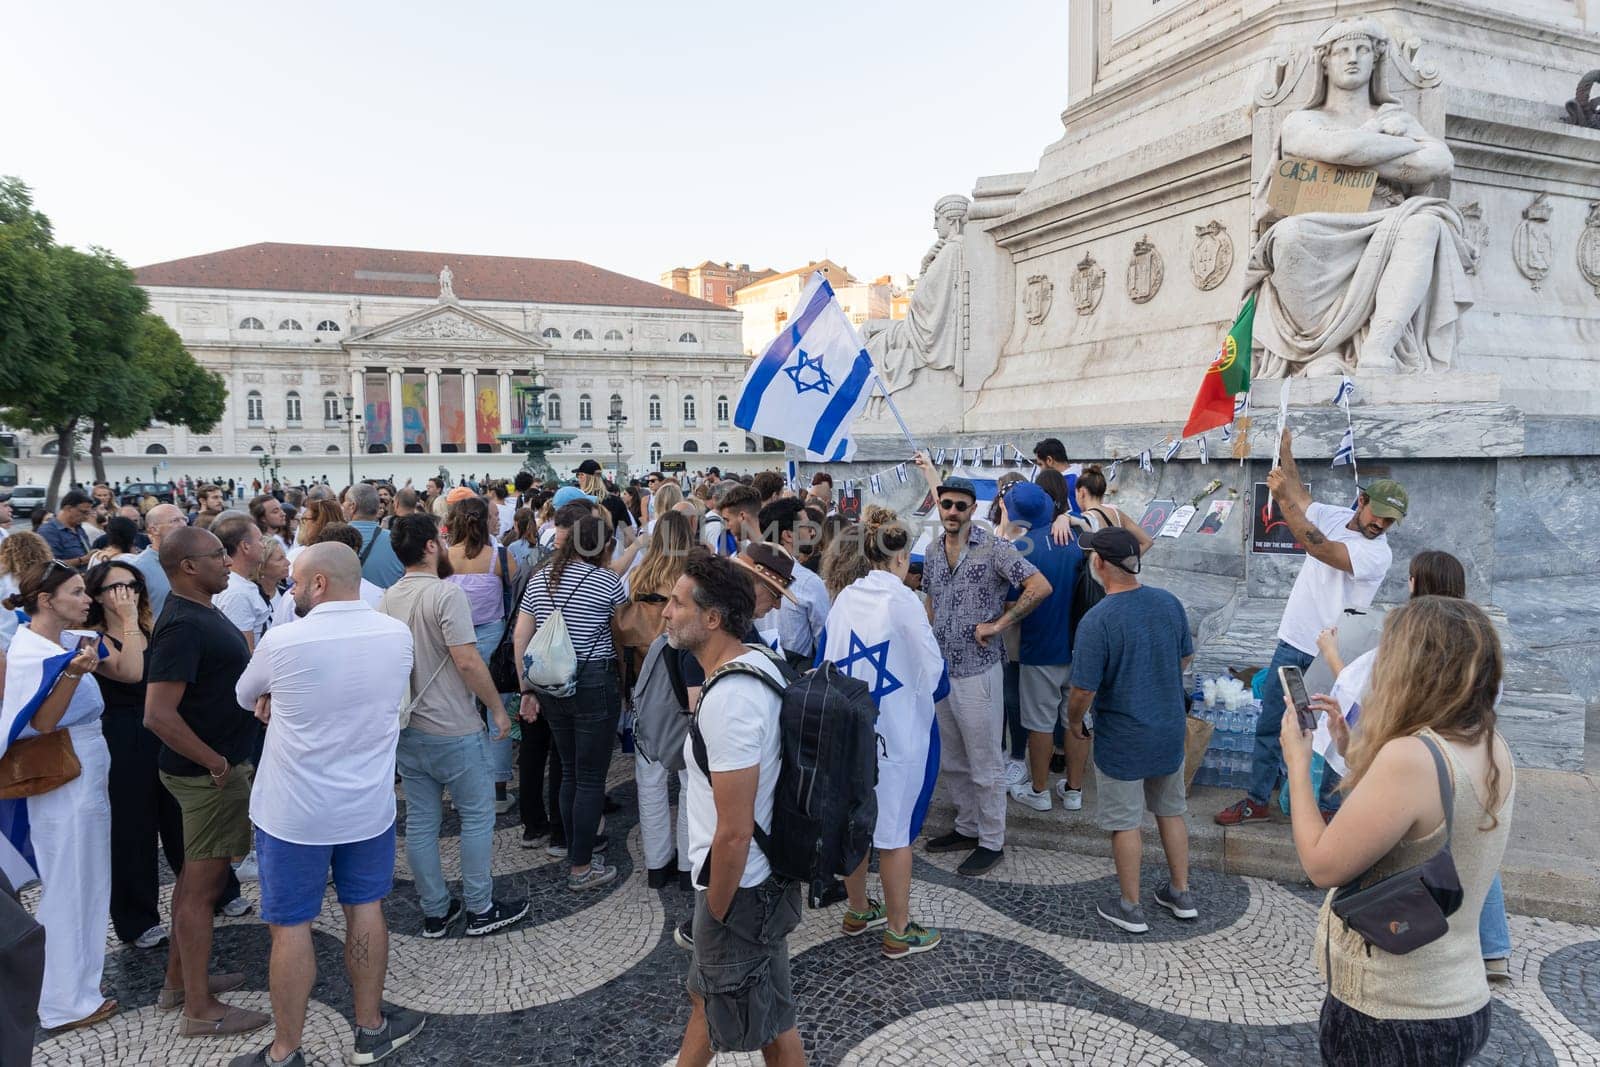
(159, 521)
(331, 685)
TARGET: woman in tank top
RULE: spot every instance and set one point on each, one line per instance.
(1437, 675)
(1097, 514)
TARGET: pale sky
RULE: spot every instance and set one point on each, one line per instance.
(634, 135)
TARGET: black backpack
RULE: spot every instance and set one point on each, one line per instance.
(1086, 592)
(825, 807)
(504, 670)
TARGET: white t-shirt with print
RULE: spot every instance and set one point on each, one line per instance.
(738, 718)
(1321, 593)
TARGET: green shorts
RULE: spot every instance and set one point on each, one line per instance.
(216, 822)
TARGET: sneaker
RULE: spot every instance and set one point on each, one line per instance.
(859, 922)
(596, 876)
(1071, 799)
(1058, 763)
(154, 937)
(951, 842)
(498, 917)
(1022, 792)
(558, 851)
(1497, 970)
(399, 1026)
(1180, 904)
(1016, 771)
(438, 927)
(260, 1058)
(503, 805)
(981, 861)
(1246, 810)
(683, 935)
(916, 939)
(247, 869)
(237, 908)
(1120, 913)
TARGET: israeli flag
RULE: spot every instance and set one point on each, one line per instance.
(1346, 454)
(1204, 458)
(1347, 389)
(877, 484)
(999, 455)
(1227, 431)
(938, 457)
(1172, 450)
(1241, 405)
(1144, 462)
(900, 473)
(1017, 456)
(1111, 475)
(812, 381)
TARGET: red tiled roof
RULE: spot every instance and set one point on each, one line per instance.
(385, 272)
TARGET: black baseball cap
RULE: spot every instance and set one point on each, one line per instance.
(588, 466)
(1114, 545)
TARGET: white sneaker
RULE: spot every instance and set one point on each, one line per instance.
(1071, 799)
(236, 907)
(247, 869)
(505, 803)
(151, 938)
(1023, 792)
(1016, 771)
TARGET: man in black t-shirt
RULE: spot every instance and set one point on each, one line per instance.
(196, 657)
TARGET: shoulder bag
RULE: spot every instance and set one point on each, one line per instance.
(34, 765)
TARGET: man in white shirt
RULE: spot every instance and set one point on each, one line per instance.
(1347, 556)
(241, 602)
(742, 916)
(505, 508)
(324, 794)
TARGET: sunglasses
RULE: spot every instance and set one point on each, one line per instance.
(109, 586)
(958, 506)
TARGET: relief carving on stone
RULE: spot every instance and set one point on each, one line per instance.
(291, 379)
(1531, 245)
(1589, 249)
(1088, 285)
(1037, 297)
(328, 379)
(1145, 271)
(255, 377)
(447, 327)
(1212, 257)
(1476, 231)
(193, 316)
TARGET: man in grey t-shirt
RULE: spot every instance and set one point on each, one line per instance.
(444, 744)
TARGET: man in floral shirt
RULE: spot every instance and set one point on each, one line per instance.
(967, 575)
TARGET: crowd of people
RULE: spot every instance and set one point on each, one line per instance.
(494, 642)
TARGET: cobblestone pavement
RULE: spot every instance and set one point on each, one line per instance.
(1028, 974)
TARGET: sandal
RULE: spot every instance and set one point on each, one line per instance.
(107, 1009)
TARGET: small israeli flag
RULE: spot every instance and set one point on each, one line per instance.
(1227, 431)
(1346, 454)
(1016, 455)
(938, 456)
(999, 455)
(849, 487)
(1144, 462)
(1204, 458)
(877, 485)
(1111, 475)
(1347, 389)
(900, 473)
(1172, 450)
(1241, 405)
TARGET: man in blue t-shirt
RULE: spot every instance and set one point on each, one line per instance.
(1130, 654)
(1045, 657)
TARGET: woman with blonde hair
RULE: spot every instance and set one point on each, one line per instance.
(592, 485)
(1427, 773)
(20, 552)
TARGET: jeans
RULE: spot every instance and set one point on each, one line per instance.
(1016, 736)
(1266, 765)
(429, 764)
(487, 636)
(539, 796)
(1494, 934)
(584, 726)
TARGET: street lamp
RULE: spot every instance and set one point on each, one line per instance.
(272, 453)
(614, 427)
(350, 421)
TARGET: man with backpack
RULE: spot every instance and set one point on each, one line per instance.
(739, 985)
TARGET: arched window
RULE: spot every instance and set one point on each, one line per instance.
(333, 449)
(291, 408)
(688, 410)
(655, 453)
(203, 448)
(722, 410)
(613, 335)
(722, 447)
(614, 407)
(552, 409)
(290, 324)
(687, 338)
(551, 334)
(690, 446)
(252, 407)
(330, 407)
(155, 450)
(655, 410)
(582, 335)
(585, 410)
(750, 445)
(250, 322)
(295, 450)
(327, 326)
(587, 448)
(256, 448)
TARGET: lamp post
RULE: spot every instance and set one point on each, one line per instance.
(272, 453)
(614, 427)
(350, 421)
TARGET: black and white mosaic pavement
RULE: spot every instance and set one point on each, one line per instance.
(1028, 974)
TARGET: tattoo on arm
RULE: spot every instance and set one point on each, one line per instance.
(1026, 602)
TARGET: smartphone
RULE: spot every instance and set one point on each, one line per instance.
(88, 641)
(1294, 691)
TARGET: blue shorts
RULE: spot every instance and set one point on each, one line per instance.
(294, 878)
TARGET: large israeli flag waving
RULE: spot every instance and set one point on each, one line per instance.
(814, 378)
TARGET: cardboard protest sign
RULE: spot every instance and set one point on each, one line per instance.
(1298, 186)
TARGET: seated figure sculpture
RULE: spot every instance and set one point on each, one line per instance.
(929, 337)
(1380, 290)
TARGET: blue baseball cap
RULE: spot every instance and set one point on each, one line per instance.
(1029, 505)
(570, 494)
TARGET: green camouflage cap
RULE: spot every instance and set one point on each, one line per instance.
(1387, 498)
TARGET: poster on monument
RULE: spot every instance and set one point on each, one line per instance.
(414, 413)
(1299, 186)
(1269, 530)
(1177, 521)
(488, 414)
(452, 414)
(376, 400)
(1156, 515)
(1216, 515)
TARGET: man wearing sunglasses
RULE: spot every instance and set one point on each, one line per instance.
(967, 575)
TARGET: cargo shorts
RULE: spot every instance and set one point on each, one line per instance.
(740, 967)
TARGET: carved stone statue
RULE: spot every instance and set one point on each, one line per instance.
(1382, 289)
(447, 288)
(930, 336)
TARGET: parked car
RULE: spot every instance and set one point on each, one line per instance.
(135, 492)
(24, 498)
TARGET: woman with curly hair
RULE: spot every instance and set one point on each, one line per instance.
(18, 553)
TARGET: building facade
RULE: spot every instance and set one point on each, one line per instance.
(714, 282)
(767, 303)
(428, 348)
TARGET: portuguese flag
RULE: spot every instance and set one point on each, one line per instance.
(1228, 376)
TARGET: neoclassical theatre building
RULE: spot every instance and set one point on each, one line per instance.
(431, 346)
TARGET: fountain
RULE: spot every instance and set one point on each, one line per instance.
(534, 440)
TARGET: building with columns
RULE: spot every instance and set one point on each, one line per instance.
(431, 346)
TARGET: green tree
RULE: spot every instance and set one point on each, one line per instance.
(35, 331)
(163, 383)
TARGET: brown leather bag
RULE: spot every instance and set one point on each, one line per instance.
(34, 765)
(641, 620)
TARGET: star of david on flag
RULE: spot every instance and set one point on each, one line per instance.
(1144, 462)
(1203, 457)
(877, 658)
(877, 485)
(999, 454)
(811, 382)
(1347, 389)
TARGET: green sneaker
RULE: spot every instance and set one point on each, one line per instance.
(916, 939)
(857, 923)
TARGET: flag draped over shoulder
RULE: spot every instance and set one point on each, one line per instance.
(1228, 376)
(812, 381)
(32, 666)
